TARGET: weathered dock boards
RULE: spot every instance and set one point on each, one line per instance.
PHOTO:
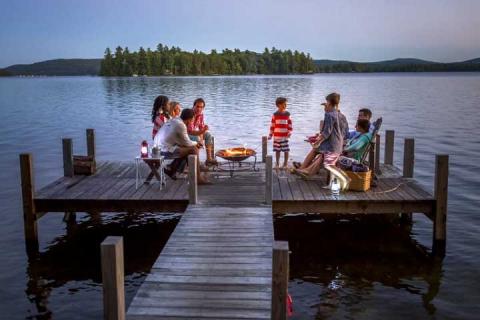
(393, 194)
(216, 264)
(111, 189)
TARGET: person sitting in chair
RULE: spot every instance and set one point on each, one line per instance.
(198, 130)
(356, 146)
(175, 144)
(363, 114)
(328, 147)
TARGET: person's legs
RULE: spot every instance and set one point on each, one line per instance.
(309, 158)
(277, 159)
(314, 167)
(285, 160)
(184, 152)
(209, 149)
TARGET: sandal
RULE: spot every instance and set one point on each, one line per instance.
(296, 164)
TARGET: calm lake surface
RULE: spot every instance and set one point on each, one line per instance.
(348, 268)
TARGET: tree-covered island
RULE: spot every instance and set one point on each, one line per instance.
(175, 61)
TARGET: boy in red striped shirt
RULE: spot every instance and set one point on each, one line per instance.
(281, 130)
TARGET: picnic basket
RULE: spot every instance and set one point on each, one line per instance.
(360, 181)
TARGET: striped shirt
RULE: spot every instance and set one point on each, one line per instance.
(281, 125)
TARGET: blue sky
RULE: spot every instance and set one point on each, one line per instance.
(360, 30)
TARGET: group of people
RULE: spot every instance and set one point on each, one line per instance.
(332, 143)
(179, 133)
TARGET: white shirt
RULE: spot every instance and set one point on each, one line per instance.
(172, 135)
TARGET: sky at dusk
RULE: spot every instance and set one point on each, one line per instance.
(359, 30)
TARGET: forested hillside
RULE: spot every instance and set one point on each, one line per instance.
(175, 61)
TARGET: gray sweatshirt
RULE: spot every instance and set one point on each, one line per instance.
(332, 133)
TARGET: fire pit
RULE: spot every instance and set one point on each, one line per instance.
(235, 156)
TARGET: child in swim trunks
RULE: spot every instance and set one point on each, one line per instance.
(281, 130)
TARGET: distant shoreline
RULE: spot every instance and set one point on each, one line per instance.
(240, 75)
(91, 67)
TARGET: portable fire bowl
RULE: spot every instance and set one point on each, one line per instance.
(234, 159)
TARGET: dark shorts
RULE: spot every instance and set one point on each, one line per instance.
(281, 145)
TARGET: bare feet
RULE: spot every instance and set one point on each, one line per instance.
(302, 173)
(202, 180)
(285, 166)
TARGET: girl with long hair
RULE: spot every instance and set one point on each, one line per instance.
(160, 113)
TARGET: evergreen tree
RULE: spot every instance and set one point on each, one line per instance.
(118, 61)
(142, 63)
(106, 66)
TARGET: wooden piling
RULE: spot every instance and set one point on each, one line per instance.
(67, 157)
(113, 278)
(377, 154)
(389, 146)
(408, 157)
(91, 147)
(192, 179)
(441, 196)
(268, 180)
(280, 274)
(372, 158)
(264, 148)
(28, 193)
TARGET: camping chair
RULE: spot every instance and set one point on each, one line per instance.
(371, 146)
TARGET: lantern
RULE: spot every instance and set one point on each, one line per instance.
(144, 149)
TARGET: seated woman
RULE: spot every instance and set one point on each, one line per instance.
(174, 109)
(356, 146)
(328, 146)
(160, 113)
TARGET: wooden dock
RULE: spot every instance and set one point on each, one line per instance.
(216, 264)
(219, 262)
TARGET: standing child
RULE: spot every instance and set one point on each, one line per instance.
(281, 130)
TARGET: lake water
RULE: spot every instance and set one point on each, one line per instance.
(348, 268)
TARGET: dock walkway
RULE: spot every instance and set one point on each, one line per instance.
(216, 264)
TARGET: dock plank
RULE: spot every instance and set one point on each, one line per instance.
(209, 258)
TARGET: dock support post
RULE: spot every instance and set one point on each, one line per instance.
(377, 155)
(91, 147)
(441, 196)
(268, 180)
(67, 157)
(372, 158)
(192, 179)
(389, 146)
(264, 148)
(28, 193)
(280, 275)
(408, 157)
(113, 278)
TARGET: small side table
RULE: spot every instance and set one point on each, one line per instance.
(155, 163)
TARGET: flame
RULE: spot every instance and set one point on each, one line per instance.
(235, 152)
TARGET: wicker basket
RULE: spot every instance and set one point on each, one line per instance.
(360, 180)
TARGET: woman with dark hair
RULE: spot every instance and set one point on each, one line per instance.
(160, 113)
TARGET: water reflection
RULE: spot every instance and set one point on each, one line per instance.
(338, 264)
(72, 261)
